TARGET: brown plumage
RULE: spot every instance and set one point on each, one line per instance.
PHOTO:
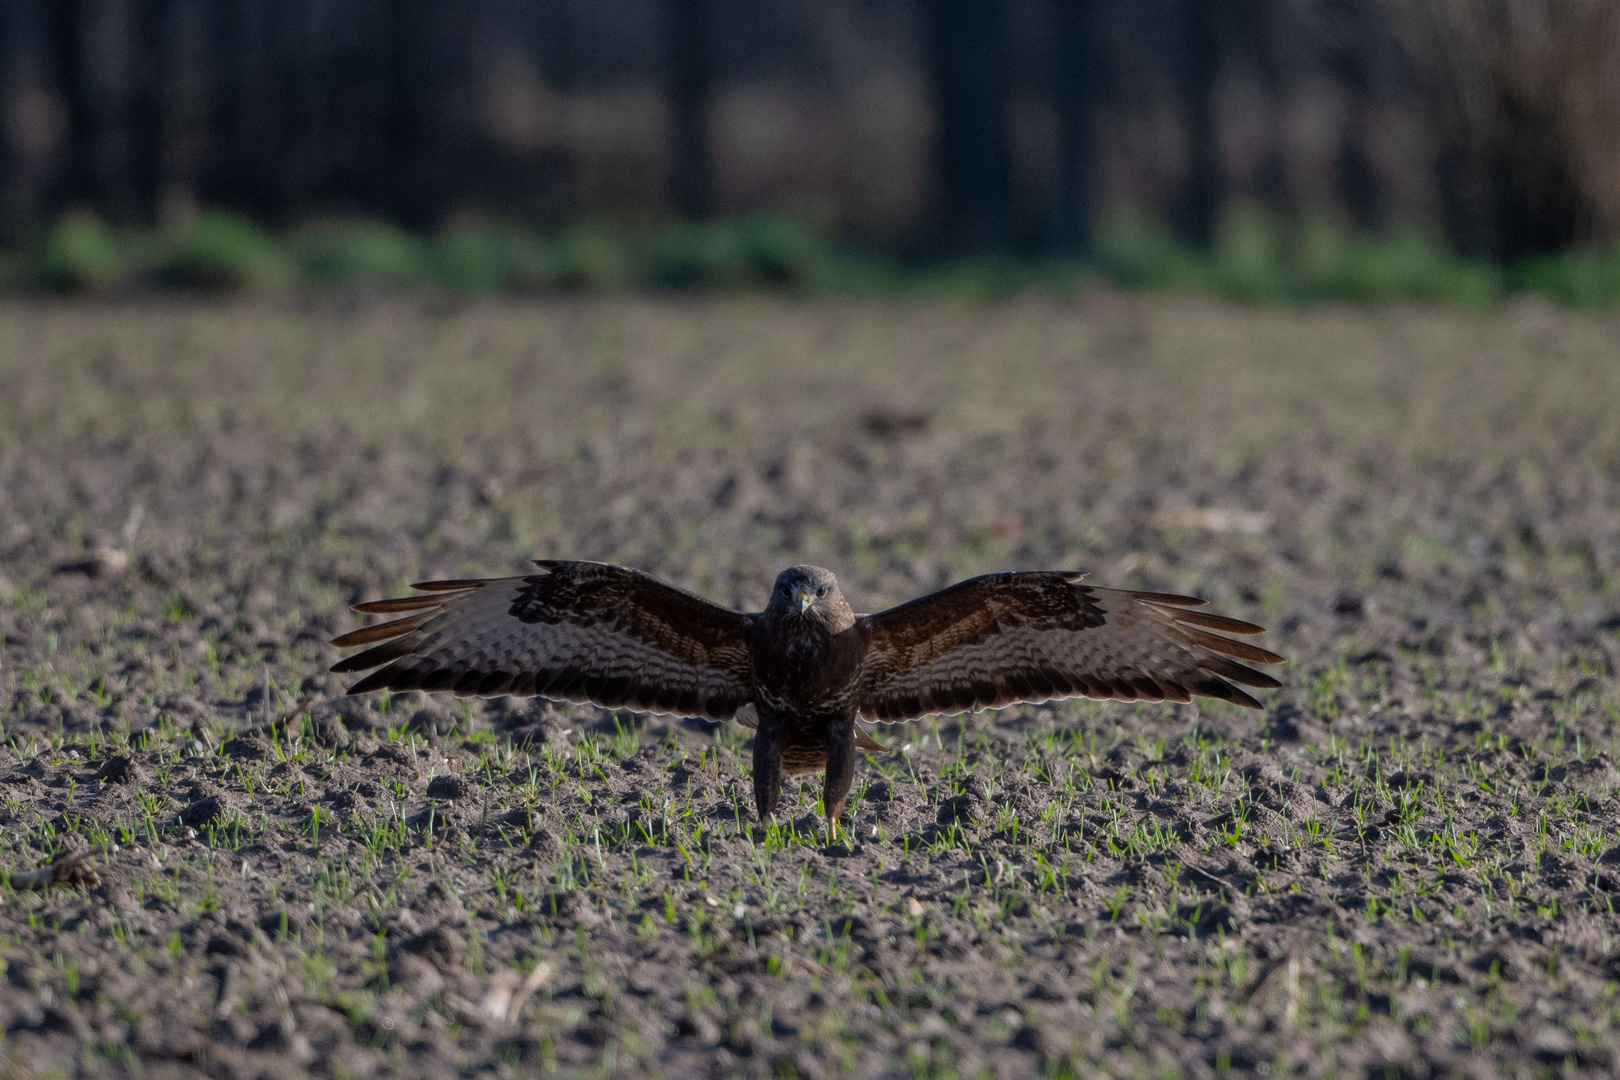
(810, 666)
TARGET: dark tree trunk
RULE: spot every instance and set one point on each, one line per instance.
(256, 165)
(1077, 61)
(35, 145)
(67, 48)
(147, 83)
(231, 171)
(1511, 205)
(1463, 203)
(102, 51)
(295, 86)
(13, 199)
(968, 42)
(691, 78)
(1270, 45)
(1536, 206)
(183, 124)
(1360, 187)
(1197, 214)
(1359, 52)
(397, 182)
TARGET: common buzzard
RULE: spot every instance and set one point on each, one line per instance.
(810, 666)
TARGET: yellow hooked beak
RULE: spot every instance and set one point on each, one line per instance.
(804, 598)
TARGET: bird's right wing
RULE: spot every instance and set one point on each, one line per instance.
(1004, 638)
(579, 631)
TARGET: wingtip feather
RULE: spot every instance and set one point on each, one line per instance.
(450, 585)
(377, 680)
(1171, 599)
(403, 603)
(1242, 650)
(1222, 623)
(1238, 697)
(367, 635)
(382, 654)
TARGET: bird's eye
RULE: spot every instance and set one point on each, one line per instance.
(822, 591)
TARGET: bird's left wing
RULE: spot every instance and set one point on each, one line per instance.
(1024, 637)
(578, 631)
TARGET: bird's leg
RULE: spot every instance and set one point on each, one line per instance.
(767, 765)
(840, 771)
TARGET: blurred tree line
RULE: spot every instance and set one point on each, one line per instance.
(924, 127)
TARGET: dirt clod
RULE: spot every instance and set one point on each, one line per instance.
(448, 788)
(329, 732)
(441, 945)
(247, 748)
(203, 811)
(121, 769)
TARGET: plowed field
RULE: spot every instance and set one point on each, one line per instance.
(1405, 865)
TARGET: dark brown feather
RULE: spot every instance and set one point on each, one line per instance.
(1003, 638)
(381, 632)
(578, 632)
(1218, 622)
(1172, 599)
(375, 681)
(404, 603)
(453, 584)
(1225, 691)
(1227, 669)
(1217, 644)
(371, 658)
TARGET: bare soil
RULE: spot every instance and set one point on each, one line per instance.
(1404, 866)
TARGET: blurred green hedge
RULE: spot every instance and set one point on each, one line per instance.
(1258, 257)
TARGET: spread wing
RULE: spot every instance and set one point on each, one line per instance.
(580, 631)
(1004, 638)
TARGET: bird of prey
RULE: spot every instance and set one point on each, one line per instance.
(810, 666)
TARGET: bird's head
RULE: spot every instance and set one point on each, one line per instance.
(811, 592)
